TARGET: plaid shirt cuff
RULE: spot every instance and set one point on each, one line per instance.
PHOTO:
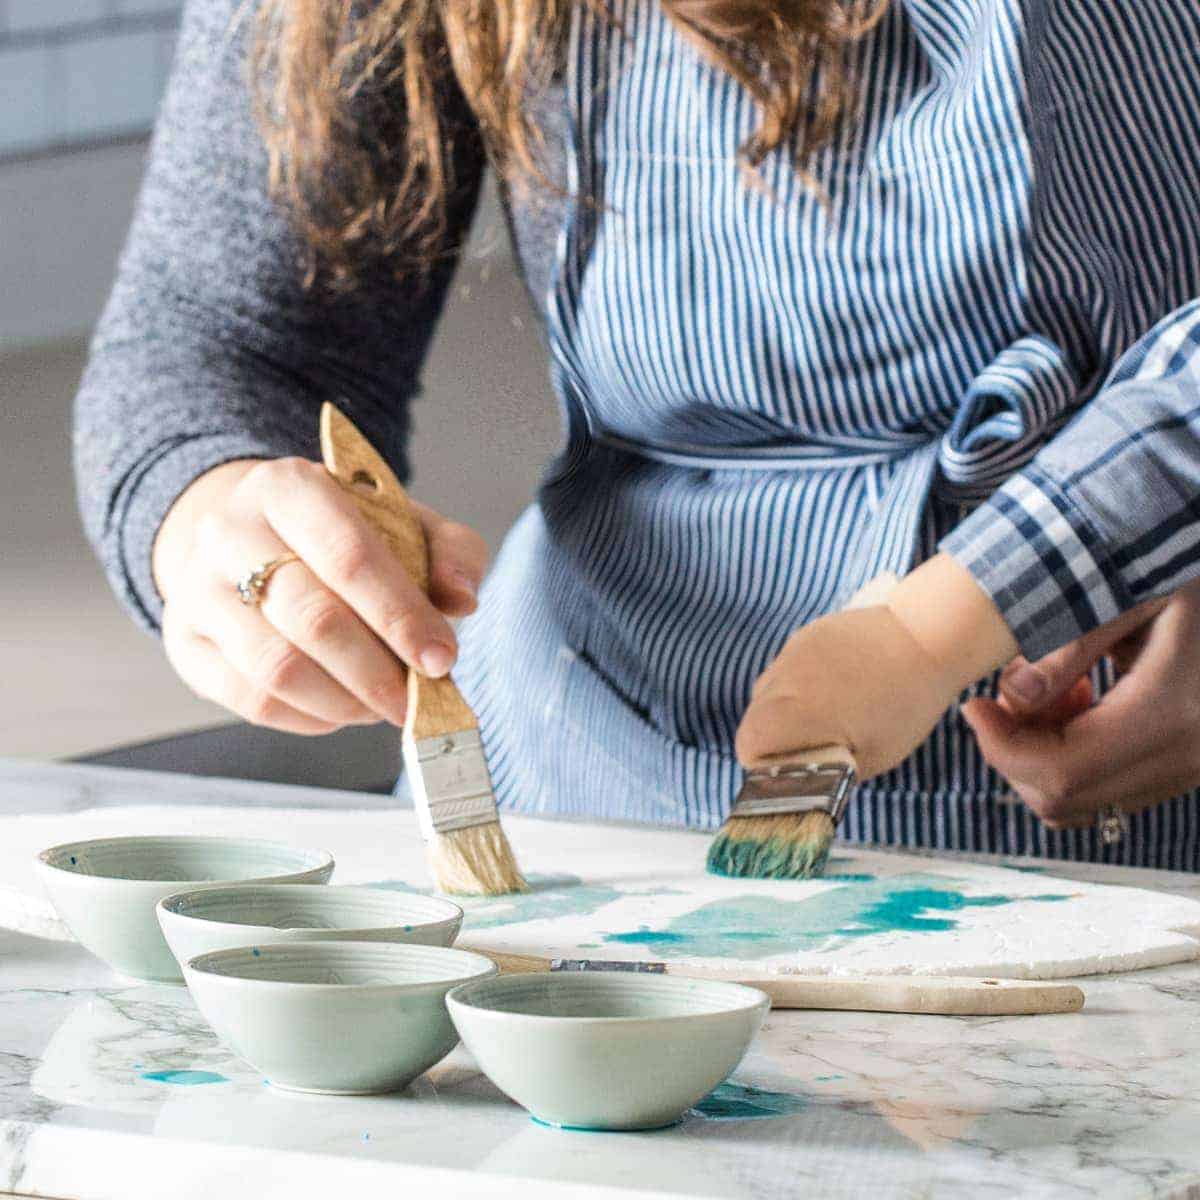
(1106, 516)
(1037, 555)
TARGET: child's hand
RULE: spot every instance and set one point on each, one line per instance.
(878, 679)
(858, 679)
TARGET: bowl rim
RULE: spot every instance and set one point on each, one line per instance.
(196, 965)
(324, 859)
(751, 998)
(454, 915)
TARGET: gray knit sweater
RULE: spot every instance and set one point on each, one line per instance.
(210, 349)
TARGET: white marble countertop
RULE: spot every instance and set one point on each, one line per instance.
(1106, 1101)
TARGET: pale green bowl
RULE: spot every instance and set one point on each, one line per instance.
(105, 890)
(346, 1018)
(606, 1050)
(223, 917)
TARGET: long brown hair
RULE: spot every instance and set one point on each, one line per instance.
(352, 99)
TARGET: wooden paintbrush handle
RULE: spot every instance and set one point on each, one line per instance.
(373, 486)
(435, 706)
(934, 995)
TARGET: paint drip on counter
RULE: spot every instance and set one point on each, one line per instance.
(731, 1101)
(184, 1078)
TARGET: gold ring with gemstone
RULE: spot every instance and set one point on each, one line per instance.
(253, 584)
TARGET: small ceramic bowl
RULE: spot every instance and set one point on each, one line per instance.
(221, 918)
(606, 1050)
(105, 890)
(345, 1018)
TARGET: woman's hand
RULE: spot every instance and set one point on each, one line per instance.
(1067, 756)
(328, 645)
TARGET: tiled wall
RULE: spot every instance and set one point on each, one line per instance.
(75, 72)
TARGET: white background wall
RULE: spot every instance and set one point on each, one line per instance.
(76, 71)
(79, 676)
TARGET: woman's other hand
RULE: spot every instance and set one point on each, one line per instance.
(1066, 754)
(329, 644)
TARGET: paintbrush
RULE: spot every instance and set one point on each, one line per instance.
(941, 995)
(467, 849)
(784, 818)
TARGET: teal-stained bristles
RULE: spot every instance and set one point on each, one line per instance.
(791, 846)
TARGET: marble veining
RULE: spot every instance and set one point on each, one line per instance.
(1105, 1101)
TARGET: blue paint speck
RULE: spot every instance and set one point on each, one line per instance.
(408, 929)
(366, 1137)
(186, 1078)
(74, 860)
(256, 952)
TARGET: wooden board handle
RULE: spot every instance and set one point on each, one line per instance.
(932, 995)
(435, 706)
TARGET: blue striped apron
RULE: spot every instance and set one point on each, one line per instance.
(752, 431)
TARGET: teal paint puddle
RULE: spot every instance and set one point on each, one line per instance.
(762, 926)
(741, 1102)
(187, 1078)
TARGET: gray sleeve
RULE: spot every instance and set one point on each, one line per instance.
(210, 349)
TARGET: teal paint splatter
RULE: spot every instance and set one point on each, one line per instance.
(848, 878)
(762, 926)
(827, 1078)
(549, 896)
(740, 1102)
(187, 1078)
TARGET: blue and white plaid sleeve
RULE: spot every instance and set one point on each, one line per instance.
(1108, 513)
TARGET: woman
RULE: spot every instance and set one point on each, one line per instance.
(829, 294)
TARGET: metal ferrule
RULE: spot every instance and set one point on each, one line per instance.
(807, 787)
(456, 786)
(596, 964)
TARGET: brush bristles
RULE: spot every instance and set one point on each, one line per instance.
(477, 861)
(788, 846)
